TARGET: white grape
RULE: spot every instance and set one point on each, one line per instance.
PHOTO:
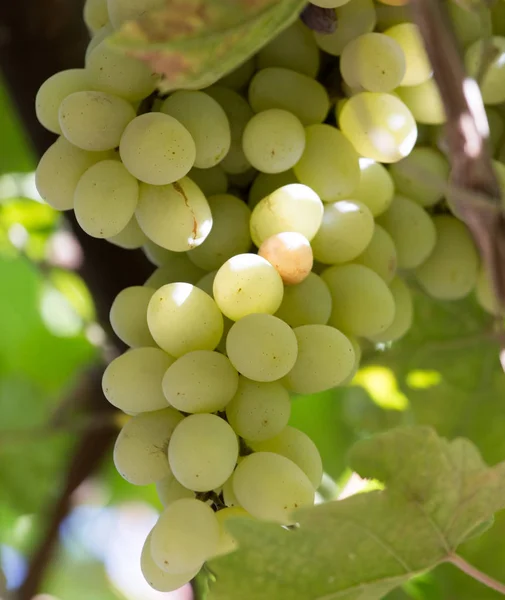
(128, 316)
(291, 255)
(306, 303)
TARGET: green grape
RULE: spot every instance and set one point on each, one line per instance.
(363, 304)
(211, 181)
(293, 207)
(307, 303)
(492, 84)
(374, 62)
(95, 14)
(105, 199)
(417, 64)
(239, 113)
(59, 171)
(379, 126)
(206, 283)
(185, 536)
(299, 448)
(496, 129)
(270, 487)
(200, 382)
(290, 254)
(227, 543)
(291, 91)
(424, 102)
(450, 272)
(380, 254)
(52, 93)
(203, 452)
(354, 18)
(375, 188)
(182, 318)
(239, 78)
(388, 15)
(176, 216)
(157, 149)
(412, 230)
(169, 490)
(177, 268)
(159, 579)
(404, 313)
(128, 316)
(140, 452)
(259, 411)
(471, 21)
(273, 140)
(294, 48)
(485, 294)
(262, 347)
(325, 359)
(329, 164)
(266, 183)
(128, 10)
(205, 120)
(245, 284)
(158, 255)
(114, 72)
(345, 232)
(102, 34)
(132, 381)
(94, 121)
(228, 494)
(229, 234)
(421, 176)
(129, 238)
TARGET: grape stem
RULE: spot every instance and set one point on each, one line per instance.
(474, 573)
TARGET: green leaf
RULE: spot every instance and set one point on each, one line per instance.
(437, 493)
(193, 43)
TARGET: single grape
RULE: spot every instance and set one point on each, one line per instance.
(417, 65)
(376, 188)
(306, 303)
(227, 543)
(325, 359)
(182, 318)
(362, 303)
(121, 11)
(185, 536)
(176, 216)
(258, 411)
(169, 490)
(329, 164)
(229, 234)
(270, 487)
(291, 255)
(404, 313)
(54, 90)
(94, 121)
(345, 232)
(288, 90)
(128, 316)
(228, 494)
(200, 382)
(157, 149)
(450, 272)
(245, 284)
(132, 381)
(105, 199)
(374, 62)
(379, 126)
(129, 238)
(424, 102)
(273, 140)
(159, 579)
(380, 254)
(492, 84)
(203, 452)
(95, 14)
(412, 230)
(293, 207)
(470, 23)
(294, 48)
(140, 452)
(262, 347)
(59, 171)
(485, 294)
(205, 120)
(299, 448)
(211, 181)
(266, 183)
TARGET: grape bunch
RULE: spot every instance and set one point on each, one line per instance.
(287, 224)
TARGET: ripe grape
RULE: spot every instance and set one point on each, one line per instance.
(306, 303)
(380, 254)
(128, 316)
(376, 188)
(424, 102)
(169, 489)
(129, 238)
(404, 312)
(211, 181)
(417, 65)
(291, 255)
(492, 84)
(95, 14)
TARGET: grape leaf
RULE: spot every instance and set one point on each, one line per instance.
(437, 493)
(193, 43)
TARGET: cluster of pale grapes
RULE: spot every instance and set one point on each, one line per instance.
(284, 225)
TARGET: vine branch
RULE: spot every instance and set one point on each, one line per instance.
(474, 573)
